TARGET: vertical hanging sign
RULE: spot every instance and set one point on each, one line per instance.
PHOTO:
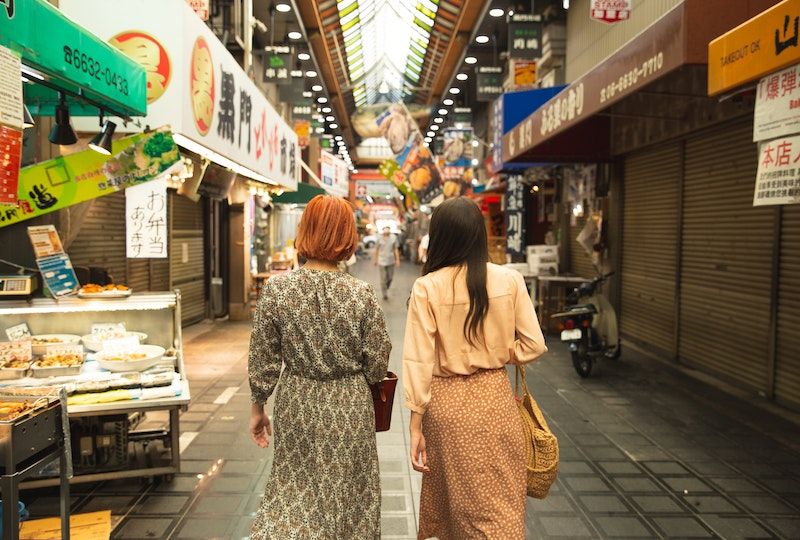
(11, 120)
(515, 218)
(146, 220)
(610, 11)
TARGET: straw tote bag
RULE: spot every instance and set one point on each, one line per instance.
(541, 446)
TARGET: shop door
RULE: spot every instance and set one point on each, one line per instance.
(649, 247)
(787, 361)
(186, 256)
(101, 239)
(726, 259)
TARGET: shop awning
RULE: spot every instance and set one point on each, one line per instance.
(303, 195)
(574, 125)
(59, 54)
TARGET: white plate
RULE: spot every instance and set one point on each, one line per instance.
(105, 294)
(64, 339)
(93, 344)
(571, 335)
(153, 356)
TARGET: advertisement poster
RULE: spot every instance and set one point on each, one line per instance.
(333, 173)
(777, 105)
(56, 268)
(303, 130)
(524, 73)
(515, 218)
(61, 182)
(778, 177)
(45, 241)
(146, 220)
(11, 119)
(366, 120)
(610, 11)
(458, 147)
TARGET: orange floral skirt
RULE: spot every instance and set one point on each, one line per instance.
(476, 454)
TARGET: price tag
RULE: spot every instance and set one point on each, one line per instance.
(125, 345)
(16, 350)
(71, 349)
(108, 329)
(18, 332)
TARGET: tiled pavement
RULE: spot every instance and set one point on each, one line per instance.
(646, 452)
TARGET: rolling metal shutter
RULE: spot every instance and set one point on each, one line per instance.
(726, 259)
(187, 256)
(101, 239)
(649, 247)
(581, 262)
(787, 361)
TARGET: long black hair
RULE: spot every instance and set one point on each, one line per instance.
(458, 238)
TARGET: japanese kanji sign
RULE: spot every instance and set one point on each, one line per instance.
(490, 83)
(278, 65)
(610, 11)
(777, 105)
(778, 178)
(333, 172)
(515, 218)
(11, 119)
(524, 36)
(146, 220)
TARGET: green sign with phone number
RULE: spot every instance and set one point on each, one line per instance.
(74, 57)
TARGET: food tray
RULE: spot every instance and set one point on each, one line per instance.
(36, 403)
(41, 348)
(7, 374)
(94, 345)
(56, 371)
(105, 294)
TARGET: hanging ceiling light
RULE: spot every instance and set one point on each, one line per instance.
(283, 8)
(470, 60)
(455, 91)
(482, 39)
(428, 139)
(322, 99)
(304, 56)
(438, 120)
(334, 126)
(447, 102)
(294, 35)
(330, 118)
(102, 141)
(430, 134)
(442, 111)
(311, 73)
(326, 110)
(434, 127)
(462, 77)
(27, 122)
(338, 138)
(62, 132)
(496, 12)
(317, 88)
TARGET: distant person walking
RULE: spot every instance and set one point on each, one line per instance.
(467, 319)
(329, 331)
(387, 257)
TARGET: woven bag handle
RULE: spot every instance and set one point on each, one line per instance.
(537, 412)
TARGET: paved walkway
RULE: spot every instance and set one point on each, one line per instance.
(647, 452)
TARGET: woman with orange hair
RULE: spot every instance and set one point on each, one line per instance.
(329, 331)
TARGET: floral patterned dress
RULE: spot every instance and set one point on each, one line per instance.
(329, 331)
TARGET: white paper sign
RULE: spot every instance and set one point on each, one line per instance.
(18, 332)
(333, 173)
(778, 178)
(16, 350)
(124, 345)
(146, 220)
(10, 89)
(777, 105)
(108, 329)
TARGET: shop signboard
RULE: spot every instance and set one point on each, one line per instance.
(377, 189)
(610, 11)
(11, 120)
(524, 73)
(490, 83)
(203, 94)
(778, 177)
(764, 44)
(200, 7)
(461, 115)
(53, 263)
(515, 218)
(278, 64)
(525, 36)
(146, 220)
(67, 180)
(303, 130)
(293, 90)
(457, 147)
(333, 172)
(497, 134)
(777, 105)
(72, 57)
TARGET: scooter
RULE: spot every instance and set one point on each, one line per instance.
(589, 325)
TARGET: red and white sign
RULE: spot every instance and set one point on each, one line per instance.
(610, 11)
(11, 118)
(778, 105)
(778, 178)
(200, 7)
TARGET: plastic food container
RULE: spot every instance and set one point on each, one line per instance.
(40, 349)
(13, 373)
(95, 343)
(55, 371)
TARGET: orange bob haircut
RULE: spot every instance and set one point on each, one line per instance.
(327, 230)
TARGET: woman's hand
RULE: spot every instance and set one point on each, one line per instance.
(419, 456)
(260, 426)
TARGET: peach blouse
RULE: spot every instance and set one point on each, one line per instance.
(434, 342)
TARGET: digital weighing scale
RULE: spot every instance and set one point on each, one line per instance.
(16, 285)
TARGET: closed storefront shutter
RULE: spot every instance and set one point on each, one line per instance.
(787, 362)
(649, 247)
(139, 274)
(581, 261)
(187, 257)
(726, 259)
(101, 239)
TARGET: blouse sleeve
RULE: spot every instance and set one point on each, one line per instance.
(419, 350)
(375, 337)
(529, 344)
(264, 361)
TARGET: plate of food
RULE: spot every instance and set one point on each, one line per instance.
(94, 342)
(43, 342)
(139, 359)
(92, 290)
(58, 365)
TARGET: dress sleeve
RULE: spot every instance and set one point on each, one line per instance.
(264, 360)
(375, 337)
(419, 350)
(529, 344)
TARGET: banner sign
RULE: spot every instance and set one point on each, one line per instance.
(490, 83)
(524, 36)
(777, 105)
(515, 218)
(56, 268)
(146, 220)
(11, 120)
(778, 178)
(278, 65)
(61, 182)
(303, 130)
(524, 73)
(610, 11)
(333, 172)
(497, 135)
(458, 147)
(202, 91)
(377, 189)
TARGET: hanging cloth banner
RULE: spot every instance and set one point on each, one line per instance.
(68, 180)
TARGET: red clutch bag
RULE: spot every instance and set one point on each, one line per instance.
(382, 400)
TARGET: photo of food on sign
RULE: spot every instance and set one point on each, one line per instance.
(151, 55)
(150, 156)
(422, 173)
(202, 86)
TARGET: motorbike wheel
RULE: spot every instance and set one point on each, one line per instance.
(582, 363)
(615, 354)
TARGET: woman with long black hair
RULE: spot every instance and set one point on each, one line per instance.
(467, 319)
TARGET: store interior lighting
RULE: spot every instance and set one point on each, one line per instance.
(316, 88)
(62, 132)
(326, 110)
(294, 35)
(330, 118)
(322, 99)
(283, 7)
(470, 60)
(475, 162)
(482, 39)
(430, 134)
(462, 76)
(27, 121)
(222, 161)
(565, 4)
(334, 126)
(311, 73)
(338, 138)
(307, 94)
(496, 12)
(447, 102)
(455, 91)
(442, 111)
(438, 120)
(304, 56)
(435, 127)
(102, 141)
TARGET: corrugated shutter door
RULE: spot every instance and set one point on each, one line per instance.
(726, 263)
(581, 261)
(139, 274)
(101, 239)
(187, 256)
(649, 247)
(787, 363)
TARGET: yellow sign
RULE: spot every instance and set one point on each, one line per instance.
(764, 44)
